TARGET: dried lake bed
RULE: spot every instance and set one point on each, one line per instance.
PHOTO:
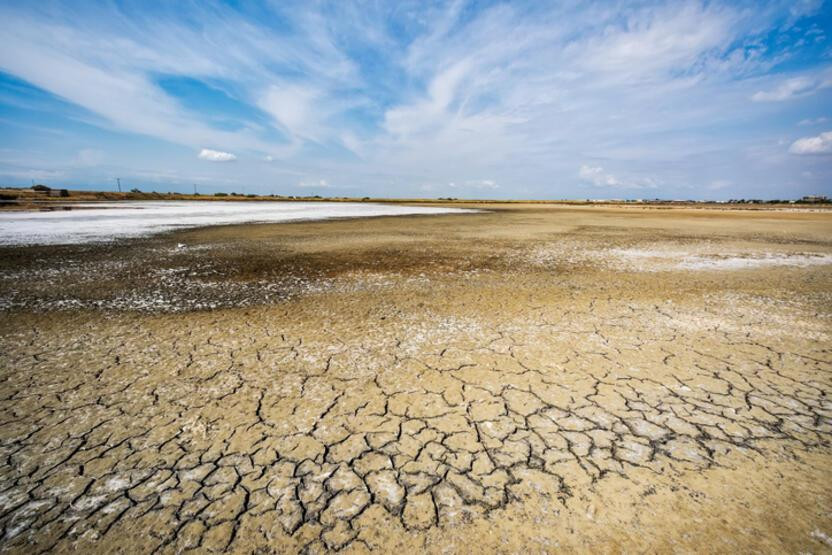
(525, 378)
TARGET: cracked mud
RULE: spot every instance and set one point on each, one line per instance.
(510, 380)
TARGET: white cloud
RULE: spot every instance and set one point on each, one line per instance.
(795, 87)
(815, 121)
(471, 184)
(482, 184)
(601, 178)
(292, 107)
(661, 38)
(89, 157)
(216, 155)
(597, 176)
(37, 175)
(821, 144)
(320, 184)
(719, 184)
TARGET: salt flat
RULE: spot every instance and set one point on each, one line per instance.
(95, 222)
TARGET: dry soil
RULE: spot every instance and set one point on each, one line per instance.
(526, 379)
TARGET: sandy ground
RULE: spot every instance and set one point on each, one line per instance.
(531, 379)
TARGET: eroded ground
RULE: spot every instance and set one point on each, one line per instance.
(530, 379)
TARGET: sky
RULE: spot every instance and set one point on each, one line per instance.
(466, 99)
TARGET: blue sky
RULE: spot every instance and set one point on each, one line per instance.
(608, 99)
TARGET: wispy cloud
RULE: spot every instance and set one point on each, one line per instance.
(796, 87)
(813, 121)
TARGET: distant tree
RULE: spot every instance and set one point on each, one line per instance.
(220, 194)
(41, 188)
(134, 190)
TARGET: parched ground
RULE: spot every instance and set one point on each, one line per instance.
(528, 379)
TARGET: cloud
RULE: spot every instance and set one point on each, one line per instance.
(216, 155)
(597, 176)
(37, 175)
(815, 121)
(293, 109)
(482, 184)
(475, 184)
(89, 157)
(821, 144)
(320, 184)
(661, 38)
(719, 184)
(795, 87)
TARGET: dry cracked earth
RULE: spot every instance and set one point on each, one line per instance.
(524, 379)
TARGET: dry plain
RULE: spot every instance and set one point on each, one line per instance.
(531, 378)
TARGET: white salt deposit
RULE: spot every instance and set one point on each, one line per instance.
(819, 535)
(663, 258)
(95, 222)
(670, 257)
(754, 261)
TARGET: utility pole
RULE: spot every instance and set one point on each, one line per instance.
(118, 181)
